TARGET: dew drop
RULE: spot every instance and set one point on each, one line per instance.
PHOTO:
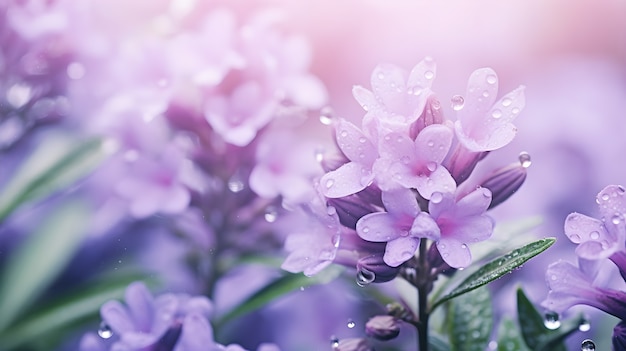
(594, 235)
(105, 331)
(605, 197)
(575, 238)
(344, 133)
(587, 345)
(429, 75)
(496, 113)
(457, 102)
(507, 102)
(463, 246)
(551, 320)
(405, 160)
(331, 211)
(381, 76)
(364, 277)
(329, 183)
(436, 198)
(492, 79)
(616, 219)
(334, 341)
(336, 240)
(235, 184)
(19, 95)
(584, 325)
(365, 230)
(271, 214)
(431, 166)
(326, 116)
(485, 93)
(515, 110)
(524, 159)
(319, 154)
(351, 323)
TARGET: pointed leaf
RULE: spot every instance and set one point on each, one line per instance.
(509, 337)
(535, 333)
(471, 319)
(56, 164)
(497, 268)
(278, 288)
(35, 264)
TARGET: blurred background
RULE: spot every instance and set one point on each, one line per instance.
(79, 67)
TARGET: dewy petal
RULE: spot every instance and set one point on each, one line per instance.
(401, 201)
(346, 180)
(612, 202)
(141, 305)
(482, 89)
(197, 335)
(379, 227)
(389, 84)
(400, 250)
(117, 317)
(475, 203)
(425, 227)
(365, 98)
(422, 75)
(591, 235)
(354, 144)
(454, 252)
(438, 180)
(433, 143)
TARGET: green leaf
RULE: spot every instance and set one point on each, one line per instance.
(470, 319)
(497, 268)
(437, 342)
(535, 333)
(509, 337)
(55, 318)
(56, 164)
(279, 287)
(37, 262)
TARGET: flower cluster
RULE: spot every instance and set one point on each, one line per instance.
(175, 322)
(401, 176)
(600, 242)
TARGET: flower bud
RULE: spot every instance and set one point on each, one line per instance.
(352, 344)
(504, 182)
(432, 114)
(350, 209)
(462, 163)
(382, 327)
(378, 270)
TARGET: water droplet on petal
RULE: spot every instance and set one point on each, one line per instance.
(485, 93)
(594, 235)
(515, 110)
(616, 219)
(429, 75)
(496, 113)
(507, 102)
(364, 277)
(492, 79)
(365, 230)
(334, 341)
(344, 133)
(605, 197)
(329, 183)
(326, 116)
(524, 159)
(235, 184)
(436, 198)
(584, 325)
(270, 214)
(381, 76)
(587, 345)
(351, 323)
(105, 331)
(551, 320)
(457, 102)
(431, 166)
(331, 211)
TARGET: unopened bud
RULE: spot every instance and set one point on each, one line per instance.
(382, 327)
(432, 114)
(504, 182)
(350, 209)
(376, 266)
(352, 344)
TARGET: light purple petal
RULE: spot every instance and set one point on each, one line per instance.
(482, 90)
(473, 229)
(400, 250)
(401, 202)
(197, 335)
(306, 90)
(433, 143)
(422, 75)
(117, 317)
(354, 144)
(177, 200)
(438, 180)
(595, 241)
(568, 287)
(365, 98)
(612, 202)
(141, 305)
(425, 227)
(379, 227)
(348, 179)
(389, 84)
(474, 203)
(454, 252)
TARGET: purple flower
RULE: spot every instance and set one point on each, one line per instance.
(570, 285)
(484, 124)
(599, 239)
(461, 222)
(383, 327)
(357, 174)
(416, 164)
(401, 227)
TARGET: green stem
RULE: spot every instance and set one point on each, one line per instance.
(422, 291)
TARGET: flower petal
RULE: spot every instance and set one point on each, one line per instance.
(354, 144)
(117, 317)
(425, 227)
(400, 250)
(379, 227)
(401, 202)
(433, 143)
(346, 180)
(454, 252)
(141, 305)
(389, 84)
(365, 98)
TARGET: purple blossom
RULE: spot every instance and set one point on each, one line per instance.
(461, 222)
(401, 227)
(570, 285)
(598, 239)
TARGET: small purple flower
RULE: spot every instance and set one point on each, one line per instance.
(401, 227)
(484, 124)
(416, 164)
(383, 327)
(461, 222)
(570, 285)
(357, 174)
(505, 181)
(599, 239)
